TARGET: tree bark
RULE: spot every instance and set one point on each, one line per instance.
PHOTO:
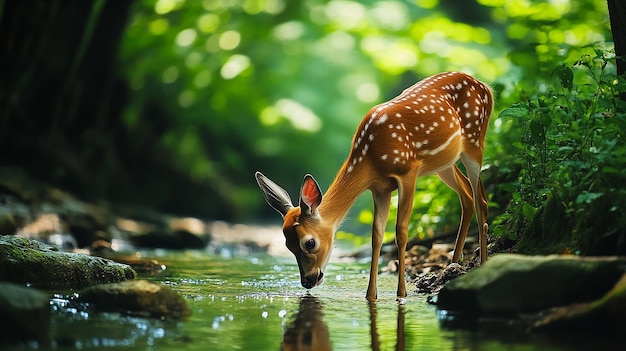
(617, 16)
(60, 107)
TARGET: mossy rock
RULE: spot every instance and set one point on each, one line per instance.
(32, 263)
(509, 284)
(139, 297)
(549, 231)
(25, 313)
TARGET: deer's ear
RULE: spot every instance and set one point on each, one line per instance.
(310, 196)
(275, 196)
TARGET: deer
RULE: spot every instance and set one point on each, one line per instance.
(425, 130)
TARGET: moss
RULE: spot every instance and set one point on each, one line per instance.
(29, 262)
(550, 230)
(137, 297)
(510, 284)
(556, 222)
(594, 228)
(600, 228)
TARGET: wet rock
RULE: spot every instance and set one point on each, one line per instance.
(140, 265)
(167, 233)
(177, 240)
(188, 224)
(101, 248)
(87, 223)
(29, 262)
(509, 284)
(429, 283)
(57, 212)
(429, 268)
(62, 241)
(605, 315)
(137, 297)
(24, 312)
(143, 266)
(49, 229)
(241, 239)
(40, 211)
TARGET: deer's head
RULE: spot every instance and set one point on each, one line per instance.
(306, 234)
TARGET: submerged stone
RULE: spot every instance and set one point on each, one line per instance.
(509, 284)
(137, 297)
(24, 312)
(32, 263)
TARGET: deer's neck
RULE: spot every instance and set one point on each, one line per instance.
(342, 194)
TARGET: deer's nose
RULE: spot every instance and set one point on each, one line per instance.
(312, 280)
(308, 283)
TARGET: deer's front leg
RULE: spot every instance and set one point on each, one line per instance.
(406, 185)
(381, 212)
(401, 240)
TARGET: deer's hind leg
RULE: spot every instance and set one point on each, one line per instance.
(457, 181)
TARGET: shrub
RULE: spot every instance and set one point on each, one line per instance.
(571, 153)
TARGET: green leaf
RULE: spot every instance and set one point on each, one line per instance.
(529, 211)
(546, 119)
(514, 112)
(542, 103)
(587, 197)
(537, 131)
(518, 145)
(566, 77)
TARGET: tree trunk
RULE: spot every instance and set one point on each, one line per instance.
(617, 16)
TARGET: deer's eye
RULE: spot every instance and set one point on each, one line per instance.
(309, 244)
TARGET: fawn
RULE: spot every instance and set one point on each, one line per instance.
(425, 130)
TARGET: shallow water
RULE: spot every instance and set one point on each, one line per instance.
(257, 303)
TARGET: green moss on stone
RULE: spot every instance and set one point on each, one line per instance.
(32, 263)
(137, 297)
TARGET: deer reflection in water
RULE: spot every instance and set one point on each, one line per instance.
(308, 331)
(374, 328)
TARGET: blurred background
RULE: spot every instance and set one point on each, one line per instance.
(174, 104)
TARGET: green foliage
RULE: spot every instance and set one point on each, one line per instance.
(539, 37)
(571, 155)
(178, 102)
(280, 86)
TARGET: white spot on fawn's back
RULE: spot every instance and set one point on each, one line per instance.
(382, 119)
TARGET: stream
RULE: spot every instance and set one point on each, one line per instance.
(256, 303)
